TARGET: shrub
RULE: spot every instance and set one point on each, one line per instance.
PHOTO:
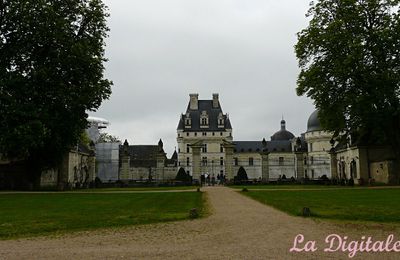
(193, 213)
(306, 212)
(97, 182)
(183, 176)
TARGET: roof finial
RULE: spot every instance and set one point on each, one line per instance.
(283, 124)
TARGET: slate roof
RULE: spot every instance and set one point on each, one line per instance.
(279, 146)
(248, 146)
(283, 134)
(142, 155)
(204, 105)
(313, 123)
(256, 146)
(173, 160)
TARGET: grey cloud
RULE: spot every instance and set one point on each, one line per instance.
(160, 51)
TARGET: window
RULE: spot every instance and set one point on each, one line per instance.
(204, 148)
(221, 161)
(179, 150)
(251, 161)
(311, 160)
(204, 119)
(220, 120)
(311, 148)
(187, 134)
(236, 161)
(179, 135)
(204, 133)
(195, 133)
(312, 174)
(187, 161)
(187, 148)
(213, 133)
(221, 148)
(221, 172)
(305, 160)
(204, 161)
(221, 134)
(281, 160)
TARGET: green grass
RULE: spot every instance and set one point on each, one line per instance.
(139, 189)
(288, 187)
(23, 215)
(377, 205)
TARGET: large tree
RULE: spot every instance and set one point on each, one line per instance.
(51, 74)
(349, 60)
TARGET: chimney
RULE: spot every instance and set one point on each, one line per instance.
(194, 102)
(215, 101)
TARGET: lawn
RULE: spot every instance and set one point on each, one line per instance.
(377, 205)
(288, 187)
(23, 215)
(172, 188)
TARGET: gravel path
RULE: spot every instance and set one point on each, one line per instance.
(238, 228)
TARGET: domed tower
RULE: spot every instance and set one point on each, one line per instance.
(283, 134)
(313, 123)
(318, 147)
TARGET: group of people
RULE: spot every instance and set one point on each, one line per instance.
(210, 180)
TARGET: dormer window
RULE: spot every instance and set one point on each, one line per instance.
(221, 121)
(204, 122)
(188, 121)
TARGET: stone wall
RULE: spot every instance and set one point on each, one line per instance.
(380, 171)
(76, 170)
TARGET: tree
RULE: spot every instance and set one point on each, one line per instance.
(183, 176)
(51, 74)
(108, 138)
(349, 60)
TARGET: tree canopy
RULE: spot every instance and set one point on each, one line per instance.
(51, 74)
(108, 138)
(349, 60)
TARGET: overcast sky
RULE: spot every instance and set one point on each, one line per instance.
(161, 51)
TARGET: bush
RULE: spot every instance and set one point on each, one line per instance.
(193, 213)
(183, 176)
(306, 212)
(97, 182)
